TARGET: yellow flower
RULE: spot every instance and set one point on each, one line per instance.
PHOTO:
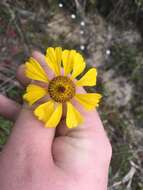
(61, 89)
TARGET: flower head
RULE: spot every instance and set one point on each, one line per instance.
(60, 90)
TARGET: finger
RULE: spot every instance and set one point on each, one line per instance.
(41, 59)
(21, 71)
(34, 129)
(90, 134)
(91, 122)
(9, 108)
(30, 139)
(31, 121)
(21, 77)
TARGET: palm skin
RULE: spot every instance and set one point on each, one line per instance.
(54, 159)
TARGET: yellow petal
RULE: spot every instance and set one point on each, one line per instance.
(68, 58)
(53, 59)
(55, 117)
(58, 51)
(73, 118)
(44, 111)
(34, 93)
(34, 71)
(88, 101)
(78, 65)
(89, 79)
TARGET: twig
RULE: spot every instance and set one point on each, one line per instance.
(80, 7)
(127, 179)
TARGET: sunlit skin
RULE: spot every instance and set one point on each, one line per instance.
(52, 159)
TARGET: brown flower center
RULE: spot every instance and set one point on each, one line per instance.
(61, 89)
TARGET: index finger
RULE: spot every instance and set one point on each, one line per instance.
(21, 75)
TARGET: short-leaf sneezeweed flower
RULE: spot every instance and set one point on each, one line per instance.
(61, 89)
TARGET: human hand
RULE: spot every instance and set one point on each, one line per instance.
(52, 159)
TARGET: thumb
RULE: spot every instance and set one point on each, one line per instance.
(29, 133)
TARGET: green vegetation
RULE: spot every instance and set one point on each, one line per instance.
(5, 128)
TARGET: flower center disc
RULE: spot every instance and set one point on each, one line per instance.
(61, 89)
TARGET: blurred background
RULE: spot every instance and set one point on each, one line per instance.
(109, 34)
